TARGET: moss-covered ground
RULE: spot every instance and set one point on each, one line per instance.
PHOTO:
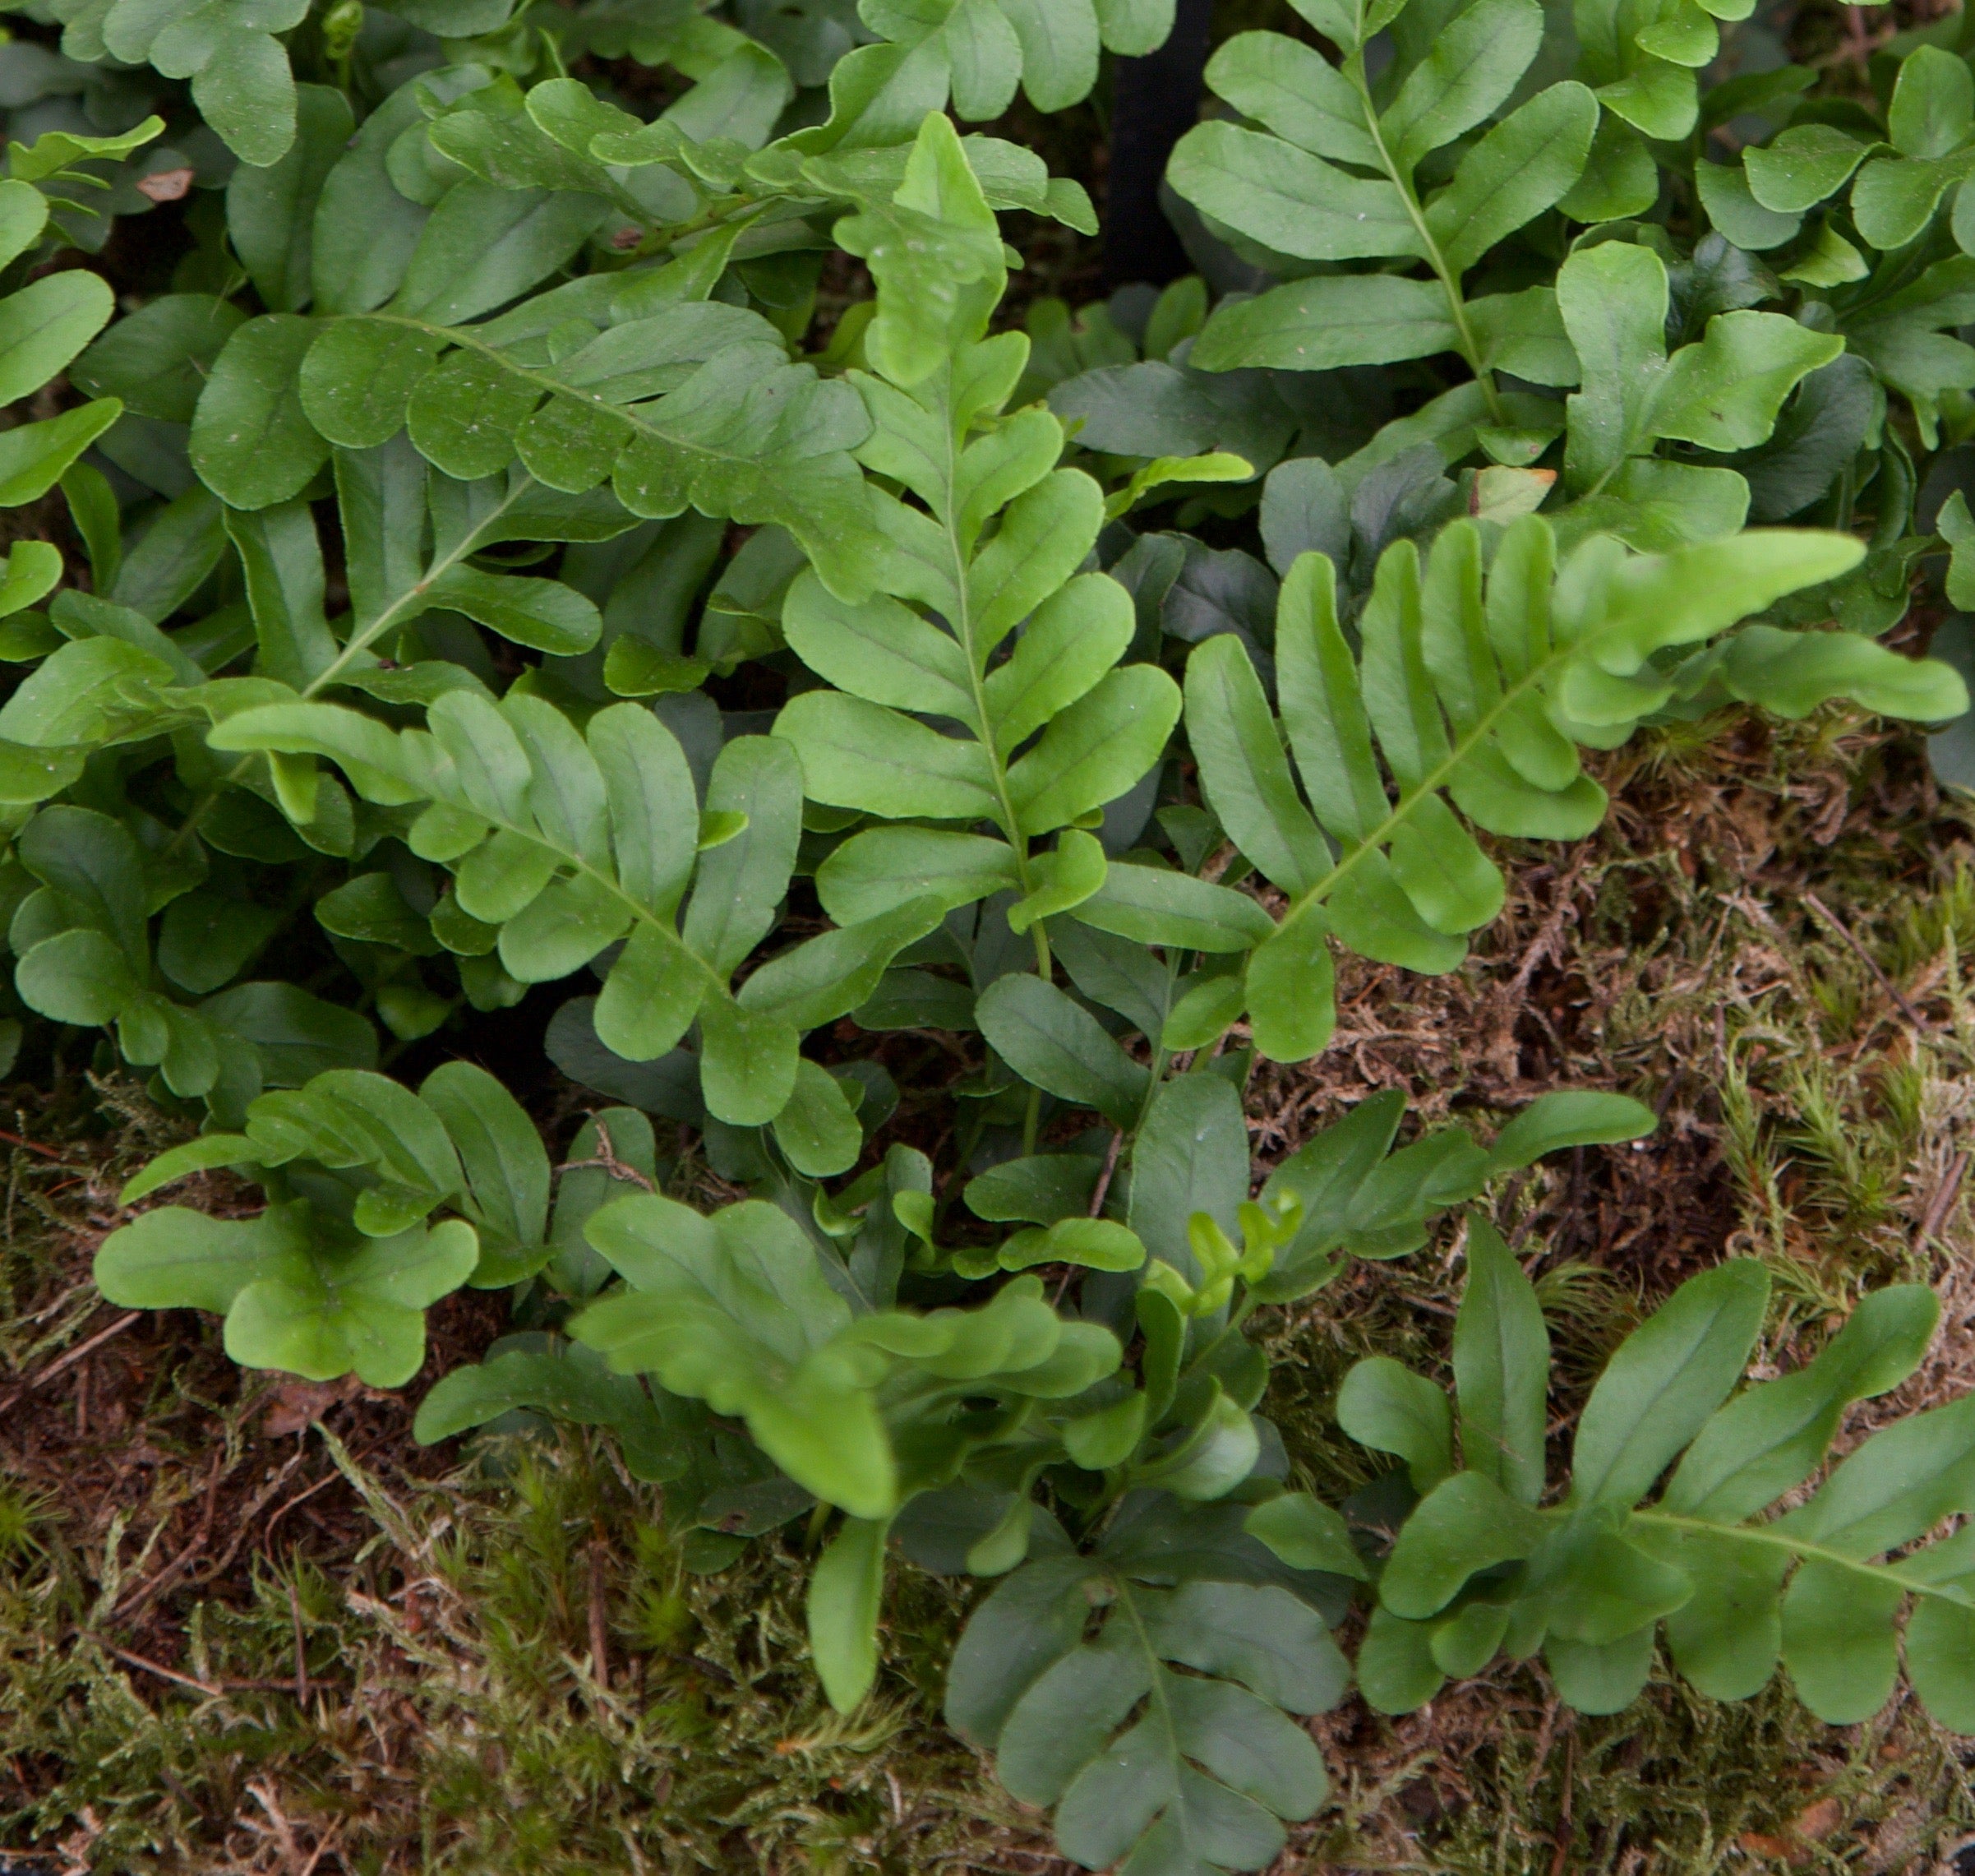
(247, 1625)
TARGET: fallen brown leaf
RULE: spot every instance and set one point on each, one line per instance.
(1777, 1849)
(295, 1404)
(166, 185)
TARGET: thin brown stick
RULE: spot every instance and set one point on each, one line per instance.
(207, 1688)
(605, 1159)
(1565, 1835)
(243, 1525)
(163, 1580)
(291, 1851)
(600, 1640)
(1865, 957)
(1943, 1201)
(1098, 1195)
(243, 1521)
(213, 1690)
(329, 1479)
(1544, 1734)
(294, 1610)
(323, 1845)
(72, 1357)
(1102, 1189)
(15, 1140)
(89, 1347)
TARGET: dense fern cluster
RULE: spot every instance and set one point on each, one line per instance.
(486, 581)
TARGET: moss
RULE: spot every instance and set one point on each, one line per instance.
(449, 1714)
(455, 1718)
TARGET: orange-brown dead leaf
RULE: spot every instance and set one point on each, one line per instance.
(1776, 1849)
(166, 185)
(295, 1404)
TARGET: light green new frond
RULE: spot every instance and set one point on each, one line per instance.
(1465, 707)
(1591, 1578)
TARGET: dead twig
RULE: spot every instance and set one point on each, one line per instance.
(1565, 1835)
(328, 1479)
(1943, 1201)
(213, 1690)
(171, 1673)
(1544, 1734)
(71, 1358)
(154, 1585)
(263, 1791)
(600, 1658)
(1865, 957)
(243, 1524)
(324, 1845)
(605, 1160)
(15, 1140)
(1098, 1194)
(1102, 1189)
(294, 1610)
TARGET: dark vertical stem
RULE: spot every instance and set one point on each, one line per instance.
(1156, 100)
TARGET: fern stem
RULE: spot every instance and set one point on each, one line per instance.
(359, 642)
(1431, 784)
(395, 614)
(1769, 1539)
(983, 728)
(1450, 282)
(670, 234)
